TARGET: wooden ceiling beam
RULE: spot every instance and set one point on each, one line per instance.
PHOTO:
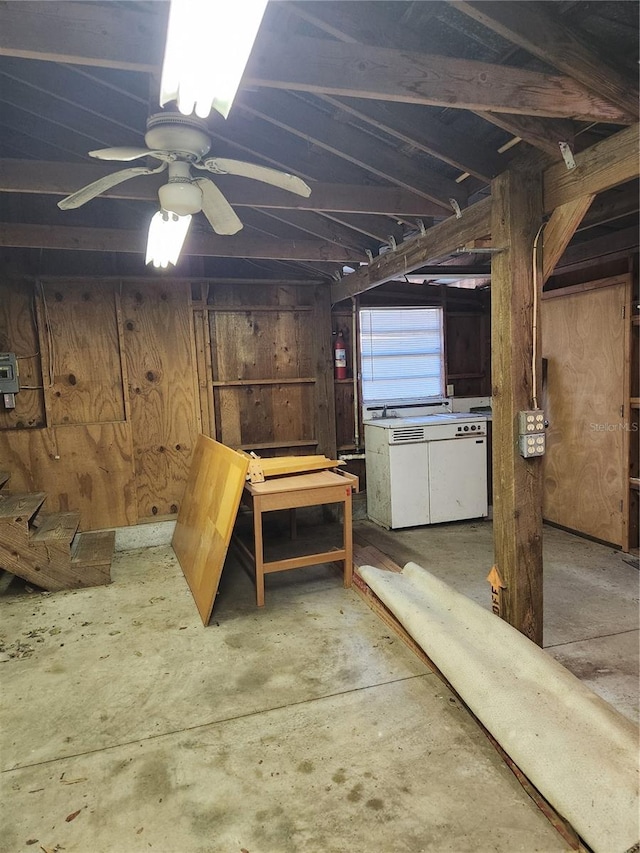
(618, 243)
(323, 228)
(352, 144)
(69, 84)
(560, 229)
(413, 127)
(614, 204)
(320, 66)
(109, 35)
(606, 164)
(55, 178)
(204, 245)
(64, 115)
(609, 163)
(378, 228)
(541, 33)
(541, 133)
(437, 242)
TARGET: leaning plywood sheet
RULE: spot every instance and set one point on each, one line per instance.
(577, 750)
(207, 515)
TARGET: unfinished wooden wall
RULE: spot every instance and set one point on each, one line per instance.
(265, 351)
(109, 420)
(586, 344)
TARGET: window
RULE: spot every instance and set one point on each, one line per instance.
(402, 354)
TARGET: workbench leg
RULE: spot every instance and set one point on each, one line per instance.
(348, 539)
(258, 551)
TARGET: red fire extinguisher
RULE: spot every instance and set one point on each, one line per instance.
(340, 357)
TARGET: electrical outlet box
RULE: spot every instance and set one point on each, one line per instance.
(531, 421)
(532, 445)
(9, 382)
(531, 436)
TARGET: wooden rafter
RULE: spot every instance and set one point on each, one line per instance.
(54, 178)
(438, 241)
(379, 30)
(603, 166)
(66, 33)
(107, 36)
(205, 245)
(535, 29)
(321, 66)
(312, 125)
(606, 164)
(402, 122)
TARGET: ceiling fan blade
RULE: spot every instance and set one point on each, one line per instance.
(217, 209)
(94, 189)
(223, 166)
(123, 154)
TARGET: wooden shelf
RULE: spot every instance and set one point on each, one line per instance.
(275, 445)
(634, 483)
(343, 381)
(636, 320)
(227, 383)
(635, 402)
(258, 309)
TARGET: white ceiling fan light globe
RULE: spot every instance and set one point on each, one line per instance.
(182, 198)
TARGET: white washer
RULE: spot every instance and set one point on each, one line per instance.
(426, 469)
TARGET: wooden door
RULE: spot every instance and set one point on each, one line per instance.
(585, 343)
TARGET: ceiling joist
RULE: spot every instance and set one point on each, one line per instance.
(601, 167)
(204, 245)
(53, 178)
(328, 67)
(535, 29)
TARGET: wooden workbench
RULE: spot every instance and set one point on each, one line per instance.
(320, 487)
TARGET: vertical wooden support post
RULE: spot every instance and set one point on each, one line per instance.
(517, 483)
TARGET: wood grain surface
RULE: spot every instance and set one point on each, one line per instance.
(83, 336)
(157, 323)
(585, 474)
(206, 518)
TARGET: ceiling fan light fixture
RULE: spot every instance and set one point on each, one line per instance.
(182, 198)
(207, 48)
(167, 233)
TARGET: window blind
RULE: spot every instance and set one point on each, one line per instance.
(402, 354)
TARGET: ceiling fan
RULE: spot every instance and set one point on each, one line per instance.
(182, 143)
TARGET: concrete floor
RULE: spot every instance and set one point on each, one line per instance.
(591, 595)
(303, 727)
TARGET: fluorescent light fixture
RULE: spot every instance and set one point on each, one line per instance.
(167, 233)
(208, 45)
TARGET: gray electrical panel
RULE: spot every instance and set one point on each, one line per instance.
(9, 383)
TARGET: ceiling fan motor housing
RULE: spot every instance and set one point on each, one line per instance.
(185, 136)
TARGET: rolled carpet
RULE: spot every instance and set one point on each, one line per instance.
(579, 752)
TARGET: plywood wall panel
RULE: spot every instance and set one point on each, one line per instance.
(88, 468)
(321, 348)
(266, 414)
(18, 334)
(84, 358)
(262, 344)
(585, 472)
(159, 353)
(271, 367)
